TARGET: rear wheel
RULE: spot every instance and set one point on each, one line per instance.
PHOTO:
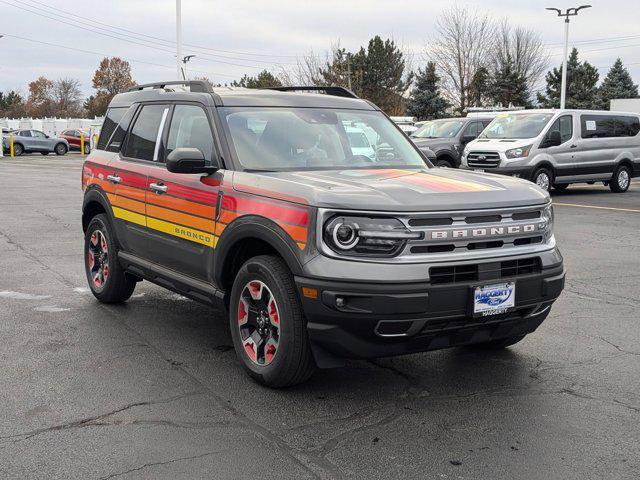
(621, 179)
(500, 343)
(60, 149)
(107, 279)
(17, 150)
(543, 178)
(267, 325)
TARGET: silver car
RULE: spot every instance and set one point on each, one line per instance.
(555, 148)
(25, 141)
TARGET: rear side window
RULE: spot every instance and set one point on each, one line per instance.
(111, 120)
(190, 128)
(607, 126)
(145, 136)
(564, 125)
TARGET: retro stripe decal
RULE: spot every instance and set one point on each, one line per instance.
(434, 183)
(132, 217)
(186, 233)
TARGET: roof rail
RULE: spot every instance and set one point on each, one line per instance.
(194, 85)
(335, 91)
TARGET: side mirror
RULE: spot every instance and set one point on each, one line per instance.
(553, 139)
(468, 138)
(188, 160)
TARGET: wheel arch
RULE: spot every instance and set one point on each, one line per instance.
(95, 202)
(546, 164)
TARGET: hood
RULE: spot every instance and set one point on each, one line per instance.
(433, 143)
(499, 145)
(419, 190)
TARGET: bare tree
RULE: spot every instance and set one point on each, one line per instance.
(67, 97)
(524, 48)
(459, 49)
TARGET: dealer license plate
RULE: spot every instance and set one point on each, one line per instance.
(494, 299)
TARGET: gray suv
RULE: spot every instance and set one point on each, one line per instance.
(447, 137)
(259, 202)
(26, 141)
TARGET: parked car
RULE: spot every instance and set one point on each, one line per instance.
(253, 200)
(26, 141)
(72, 136)
(406, 124)
(555, 148)
(447, 137)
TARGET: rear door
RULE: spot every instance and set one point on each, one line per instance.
(139, 149)
(181, 208)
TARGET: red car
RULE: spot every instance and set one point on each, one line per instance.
(72, 135)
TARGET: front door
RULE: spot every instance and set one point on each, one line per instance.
(40, 141)
(181, 208)
(565, 153)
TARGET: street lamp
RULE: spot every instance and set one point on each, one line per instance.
(570, 12)
(185, 59)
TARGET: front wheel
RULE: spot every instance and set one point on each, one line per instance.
(267, 325)
(61, 149)
(443, 163)
(107, 279)
(543, 178)
(621, 179)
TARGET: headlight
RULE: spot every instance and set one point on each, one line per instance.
(519, 152)
(546, 225)
(367, 236)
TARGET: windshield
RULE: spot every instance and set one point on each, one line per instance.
(439, 129)
(513, 126)
(281, 138)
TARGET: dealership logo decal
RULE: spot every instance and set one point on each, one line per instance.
(494, 298)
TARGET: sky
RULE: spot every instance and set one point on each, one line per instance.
(231, 38)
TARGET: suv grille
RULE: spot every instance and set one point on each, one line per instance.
(483, 159)
(486, 271)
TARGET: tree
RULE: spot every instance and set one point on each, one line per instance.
(459, 49)
(265, 79)
(67, 97)
(522, 49)
(582, 80)
(425, 101)
(478, 91)
(40, 102)
(113, 76)
(617, 84)
(508, 86)
(11, 104)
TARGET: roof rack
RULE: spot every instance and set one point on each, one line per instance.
(335, 91)
(194, 85)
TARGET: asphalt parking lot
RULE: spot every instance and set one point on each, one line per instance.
(152, 389)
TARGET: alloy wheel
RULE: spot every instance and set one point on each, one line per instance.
(98, 259)
(623, 179)
(259, 322)
(543, 181)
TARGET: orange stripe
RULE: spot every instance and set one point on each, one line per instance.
(181, 218)
(182, 205)
(106, 185)
(131, 192)
(126, 203)
(297, 233)
(227, 217)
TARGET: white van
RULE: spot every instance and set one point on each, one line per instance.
(555, 148)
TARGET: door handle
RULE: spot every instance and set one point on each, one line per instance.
(115, 179)
(573, 146)
(158, 188)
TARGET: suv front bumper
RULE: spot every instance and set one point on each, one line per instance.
(368, 320)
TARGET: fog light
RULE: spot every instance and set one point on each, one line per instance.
(340, 303)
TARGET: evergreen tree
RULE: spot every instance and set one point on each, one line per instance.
(507, 86)
(582, 90)
(477, 93)
(426, 101)
(11, 104)
(265, 79)
(617, 84)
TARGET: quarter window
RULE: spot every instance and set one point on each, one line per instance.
(111, 120)
(190, 129)
(145, 136)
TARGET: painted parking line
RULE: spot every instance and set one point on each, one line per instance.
(633, 210)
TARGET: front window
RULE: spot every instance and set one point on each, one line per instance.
(515, 126)
(282, 138)
(439, 129)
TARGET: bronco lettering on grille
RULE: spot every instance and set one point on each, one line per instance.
(482, 232)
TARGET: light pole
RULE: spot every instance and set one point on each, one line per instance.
(179, 39)
(185, 59)
(570, 12)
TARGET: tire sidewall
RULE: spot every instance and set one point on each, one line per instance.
(62, 147)
(255, 269)
(615, 182)
(100, 222)
(17, 150)
(537, 173)
(443, 164)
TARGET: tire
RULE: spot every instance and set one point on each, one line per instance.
(18, 149)
(621, 179)
(87, 149)
(560, 187)
(443, 163)
(500, 343)
(543, 178)
(265, 308)
(107, 279)
(44, 153)
(61, 149)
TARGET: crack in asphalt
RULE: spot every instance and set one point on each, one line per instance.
(153, 464)
(619, 348)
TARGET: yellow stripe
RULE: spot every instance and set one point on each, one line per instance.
(185, 233)
(129, 216)
(464, 183)
(597, 207)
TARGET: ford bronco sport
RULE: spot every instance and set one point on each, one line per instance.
(256, 200)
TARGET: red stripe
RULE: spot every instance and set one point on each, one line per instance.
(271, 194)
(296, 216)
(188, 193)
